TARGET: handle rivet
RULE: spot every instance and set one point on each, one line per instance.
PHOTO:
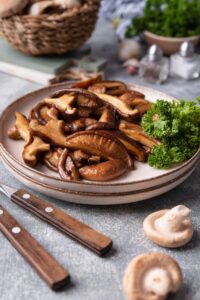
(16, 230)
(26, 196)
(1, 212)
(48, 209)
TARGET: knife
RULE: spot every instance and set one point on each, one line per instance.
(87, 236)
(46, 266)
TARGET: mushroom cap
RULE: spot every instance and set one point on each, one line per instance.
(9, 8)
(151, 276)
(169, 228)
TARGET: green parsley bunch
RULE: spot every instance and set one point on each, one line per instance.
(176, 125)
(171, 18)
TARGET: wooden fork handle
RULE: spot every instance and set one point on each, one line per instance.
(45, 265)
(79, 231)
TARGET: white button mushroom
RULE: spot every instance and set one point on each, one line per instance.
(151, 276)
(39, 7)
(68, 4)
(128, 48)
(9, 8)
(169, 227)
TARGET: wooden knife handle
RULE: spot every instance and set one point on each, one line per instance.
(80, 232)
(46, 266)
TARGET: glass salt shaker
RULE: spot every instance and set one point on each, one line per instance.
(154, 67)
(185, 63)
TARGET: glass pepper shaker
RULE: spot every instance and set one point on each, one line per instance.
(185, 63)
(154, 67)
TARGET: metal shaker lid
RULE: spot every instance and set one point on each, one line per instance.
(186, 49)
(154, 53)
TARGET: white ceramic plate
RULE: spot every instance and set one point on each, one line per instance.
(143, 178)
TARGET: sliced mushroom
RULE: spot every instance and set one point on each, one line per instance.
(142, 105)
(80, 158)
(34, 145)
(104, 171)
(122, 108)
(53, 131)
(51, 159)
(106, 121)
(79, 125)
(169, 227)
(129, 125)
(66, 167)
(43, 113)
(94, 159)
(108, 87)
(137, 134)
(81, 97)
(13, 133)
(64, 103)
(99, 143)
(132, 147)
(84, 112)
(130, 95)
(23, 128)
(151, 276)
(86, 83)
(33, 149)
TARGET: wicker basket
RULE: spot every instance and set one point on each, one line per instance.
(51, 34)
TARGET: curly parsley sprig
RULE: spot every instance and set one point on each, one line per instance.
(177, 125)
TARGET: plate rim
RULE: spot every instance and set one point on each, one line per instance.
(86, 183)
(107, 195)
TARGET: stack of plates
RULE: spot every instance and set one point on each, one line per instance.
(142, 183)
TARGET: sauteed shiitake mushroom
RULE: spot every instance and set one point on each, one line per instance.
(90, 131)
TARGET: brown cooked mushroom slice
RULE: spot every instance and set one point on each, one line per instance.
(99, 143)
(132, 147)
(142, 105)
(53, 131)
(39, 112)
(34, 145)
(87, 99)
(108, 87)
(13, 133)
(104, 171)
(106, 121)
(137, 134)
(79, 125)
(169, 227)
(33, 150)
(132, 94)
(81, 97)
(63, 103)
(51, 159)
(123, 108)
(22, 126)
(152, 276)
(84, 112)
(66, 167)
(43, 112)
(94, 159)
(86, 83)
(80, 158)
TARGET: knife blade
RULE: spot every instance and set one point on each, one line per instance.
(45, 265)
(87, 236)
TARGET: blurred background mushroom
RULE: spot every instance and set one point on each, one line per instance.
(151, 275)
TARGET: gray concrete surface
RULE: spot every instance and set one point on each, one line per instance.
(94, 278)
